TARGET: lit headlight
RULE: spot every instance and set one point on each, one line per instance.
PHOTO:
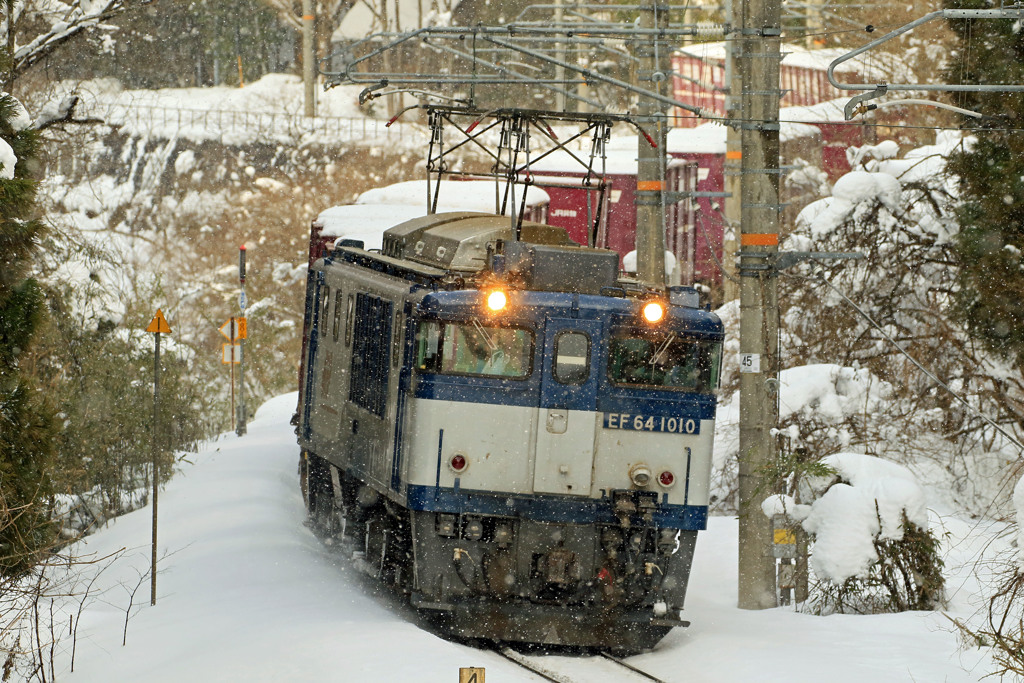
(653, 311)
(497, 300)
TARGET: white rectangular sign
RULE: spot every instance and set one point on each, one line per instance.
(231, 353)
(750, 362)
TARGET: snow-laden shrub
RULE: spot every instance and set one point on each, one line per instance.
(870, 546)
(823, 409)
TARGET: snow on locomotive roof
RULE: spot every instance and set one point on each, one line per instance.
(619, 161)
(453, 195)
(365, 222)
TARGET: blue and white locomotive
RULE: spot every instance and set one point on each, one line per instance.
(509, 432)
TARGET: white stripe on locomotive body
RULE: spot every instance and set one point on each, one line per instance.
(495, 439)
(499, 442)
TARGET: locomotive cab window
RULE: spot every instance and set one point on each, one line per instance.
(572, 358)
(664, 361)
(462, 348)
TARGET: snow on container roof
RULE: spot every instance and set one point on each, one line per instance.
(453, 195)
(796, 56)
(709, 138)
(830, 110)
(366, 222)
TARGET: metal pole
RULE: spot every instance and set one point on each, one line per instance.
(308, 67)
(650, 183)
(231, 365)
(240, 429)
(156, 470)
(759, 238)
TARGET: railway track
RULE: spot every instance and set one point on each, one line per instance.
(535, 666)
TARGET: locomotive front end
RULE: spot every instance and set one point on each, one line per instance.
(562, 462)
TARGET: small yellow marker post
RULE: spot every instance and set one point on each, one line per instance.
(157, 327)
(785, 552)
(471, 674)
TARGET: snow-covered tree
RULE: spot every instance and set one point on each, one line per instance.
(990, 246)
(34, 29)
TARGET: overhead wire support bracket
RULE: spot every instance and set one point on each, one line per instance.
(875, 90)
(512, 38)
(779, 261)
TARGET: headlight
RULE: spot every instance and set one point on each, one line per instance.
(640, 475)
(497, 300)
(653, 311)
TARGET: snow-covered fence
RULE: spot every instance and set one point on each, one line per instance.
(238, 127)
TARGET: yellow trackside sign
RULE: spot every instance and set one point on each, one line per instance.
(159, 324)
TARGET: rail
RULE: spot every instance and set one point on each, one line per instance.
(532, 665)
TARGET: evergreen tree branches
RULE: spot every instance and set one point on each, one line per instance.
(991, 182)
(27, 424)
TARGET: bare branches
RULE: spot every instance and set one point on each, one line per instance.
(61, 29)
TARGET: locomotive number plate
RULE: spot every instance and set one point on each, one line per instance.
(652, 423)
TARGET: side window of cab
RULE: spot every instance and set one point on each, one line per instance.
(571, 364)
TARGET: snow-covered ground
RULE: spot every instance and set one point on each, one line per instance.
(246, 592)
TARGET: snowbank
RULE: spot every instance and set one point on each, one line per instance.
(830, 392)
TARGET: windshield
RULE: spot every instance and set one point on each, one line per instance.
(664, 360)
(474, 349)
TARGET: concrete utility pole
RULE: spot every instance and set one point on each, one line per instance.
(759, 61)
(650, 180)
(560, 56)
(308, 61)
(733, 165)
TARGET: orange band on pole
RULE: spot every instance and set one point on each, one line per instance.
(759, 240)
(308, 17)
(646, 185)
(734, 154)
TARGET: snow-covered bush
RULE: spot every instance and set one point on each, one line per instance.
(899, 213)
(823, 409)
(870, 546)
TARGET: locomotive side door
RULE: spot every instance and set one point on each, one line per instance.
(566, 421)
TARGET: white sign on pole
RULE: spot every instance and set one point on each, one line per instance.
(231, 353)
(750, 362)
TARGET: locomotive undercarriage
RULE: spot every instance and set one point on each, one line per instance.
(616, 586)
